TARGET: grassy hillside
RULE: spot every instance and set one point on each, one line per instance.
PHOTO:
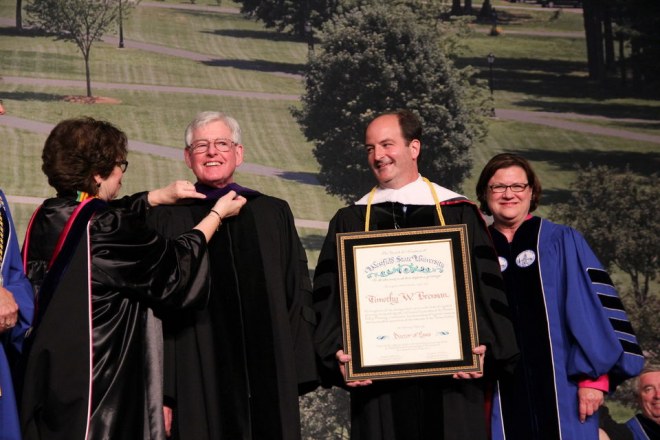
(222, 51)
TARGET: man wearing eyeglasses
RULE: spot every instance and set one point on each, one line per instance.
(235, 366)
(441, 407)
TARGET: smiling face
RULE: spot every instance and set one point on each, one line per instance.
(212, 167)
(649, 395)
(392, 159)
(509, 208)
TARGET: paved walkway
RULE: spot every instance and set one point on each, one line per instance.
(532, 8)
(167, 152)
(540, 33)
(147, 88)
(191, 7)
(170, 153)
(557, 120)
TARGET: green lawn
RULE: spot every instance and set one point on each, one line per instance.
(40, 57)
(531, 72)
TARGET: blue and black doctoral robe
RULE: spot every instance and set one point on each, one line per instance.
(643, 428)
(11, 341)
(570, 326)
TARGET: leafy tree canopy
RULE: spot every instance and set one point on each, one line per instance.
(615, 211)
(290, 15)
(382, 58)
(612, 210)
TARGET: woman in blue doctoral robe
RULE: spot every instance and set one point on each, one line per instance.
(575, 340)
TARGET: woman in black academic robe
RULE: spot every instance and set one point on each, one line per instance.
(93, 369)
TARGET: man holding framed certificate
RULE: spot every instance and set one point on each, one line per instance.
(409, 300)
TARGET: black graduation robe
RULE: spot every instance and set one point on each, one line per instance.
(426, 408)
(88, 370)
(237, 365)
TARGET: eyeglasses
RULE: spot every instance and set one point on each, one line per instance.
(122, 164)
(516, 187)
(223, 145)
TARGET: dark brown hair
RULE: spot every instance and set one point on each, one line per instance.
(78, 149)
(411, 127)
(507, 160)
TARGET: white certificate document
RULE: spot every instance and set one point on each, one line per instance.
(407, 303)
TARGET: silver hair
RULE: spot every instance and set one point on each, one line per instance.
(648, 368)
(205, 118)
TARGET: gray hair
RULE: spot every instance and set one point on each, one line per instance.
(205, 118)
(648, 368)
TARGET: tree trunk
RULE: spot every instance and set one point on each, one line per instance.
(87, 75)
(634, 58)
(487, 13)
(19, 15)
(594, 36)
(622, 59)
(468, 6)
(609, 38)
(456, 7)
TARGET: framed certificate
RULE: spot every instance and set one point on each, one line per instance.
(407, 302)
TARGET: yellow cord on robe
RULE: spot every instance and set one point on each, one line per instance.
(435, 199)
(433, 193)
(371, 197)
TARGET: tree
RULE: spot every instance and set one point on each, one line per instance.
(458, 9)
(325, 414)
(593, 14)
(383, 58)
(616, 213)
(644, 22)
(19, 15)
(291, 15)
(79, 21)
(633, 22)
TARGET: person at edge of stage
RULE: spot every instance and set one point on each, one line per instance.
(575, 339)
(93, 370)
(235, 368)
(413, 408)
(2, 108)
(16, 310)
(646, 425)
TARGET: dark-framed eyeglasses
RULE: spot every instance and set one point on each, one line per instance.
(202, 146)
(122, 164)
(515, 187)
